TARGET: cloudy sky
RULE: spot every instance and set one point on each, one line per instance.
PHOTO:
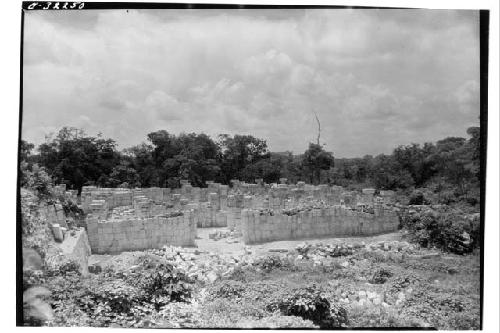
(375, 78)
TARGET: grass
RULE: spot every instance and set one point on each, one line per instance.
(433, 297)
(440, 292)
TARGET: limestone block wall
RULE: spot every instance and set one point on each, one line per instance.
(233, 218)
(333, 221)
(53, 213)
(78, 248)
(154, 193)
(208, 217)
(388, 197)
(120, 198)
(278, 194)
(106, 237)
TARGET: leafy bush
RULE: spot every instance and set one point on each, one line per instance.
(116, 296)
(71, 208)
(380, 276)
(125, 298)
(165, 284)
(230, 289)
(442, 310)
(403, 282)
(38, 180)
(272, 262)
(309, 304)
(62, 266)
(449, 231)
(378, 316)
(418, 198)
(36, 233)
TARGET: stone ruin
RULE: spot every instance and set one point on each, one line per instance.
(137, 219)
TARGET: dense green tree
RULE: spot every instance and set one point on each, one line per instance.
(387, 174)
(269, 169)
(237, 153)
(76, 159)
(314, 160)
(123, 175)
(474, 146)
(26, 160)
(450, 165)
(25, 150)
(187, 156)
(416, 161)
(456, 161)
(140, 158)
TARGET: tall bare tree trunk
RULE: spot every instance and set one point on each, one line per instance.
(319, 128)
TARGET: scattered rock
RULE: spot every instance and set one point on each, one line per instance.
(278, 250)
(211, 276)
(95, 269)
(431, 255)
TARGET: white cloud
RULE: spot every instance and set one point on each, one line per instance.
(375, 78)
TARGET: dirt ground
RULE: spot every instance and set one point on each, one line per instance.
(225, 245)
(235, 246)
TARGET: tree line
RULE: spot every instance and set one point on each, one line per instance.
(77, 159)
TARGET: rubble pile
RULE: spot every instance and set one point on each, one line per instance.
(393, 246)
(203, 266)
(305, 207)
(312, 251)
(229, 235)
(369, 298)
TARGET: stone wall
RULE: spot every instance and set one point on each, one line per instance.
(207, 217)
(135, 219)
(77, 246)
(53, 213)
(140, 234)
(316, 223)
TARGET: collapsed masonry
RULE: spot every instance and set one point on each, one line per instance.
(137, 219)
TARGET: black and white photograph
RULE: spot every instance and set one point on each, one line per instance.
(225, 166)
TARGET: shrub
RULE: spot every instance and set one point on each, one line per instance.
(403, 282)
(380, 276)
(272, 262)
(418, 198)
(377, 316)
(165, 284)
(443, 310)
(71, 208)
(450, 231)
(39, 180)
(230, 289)
(309, 304)
(115, 298)
(62, 266)
(36, 233)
